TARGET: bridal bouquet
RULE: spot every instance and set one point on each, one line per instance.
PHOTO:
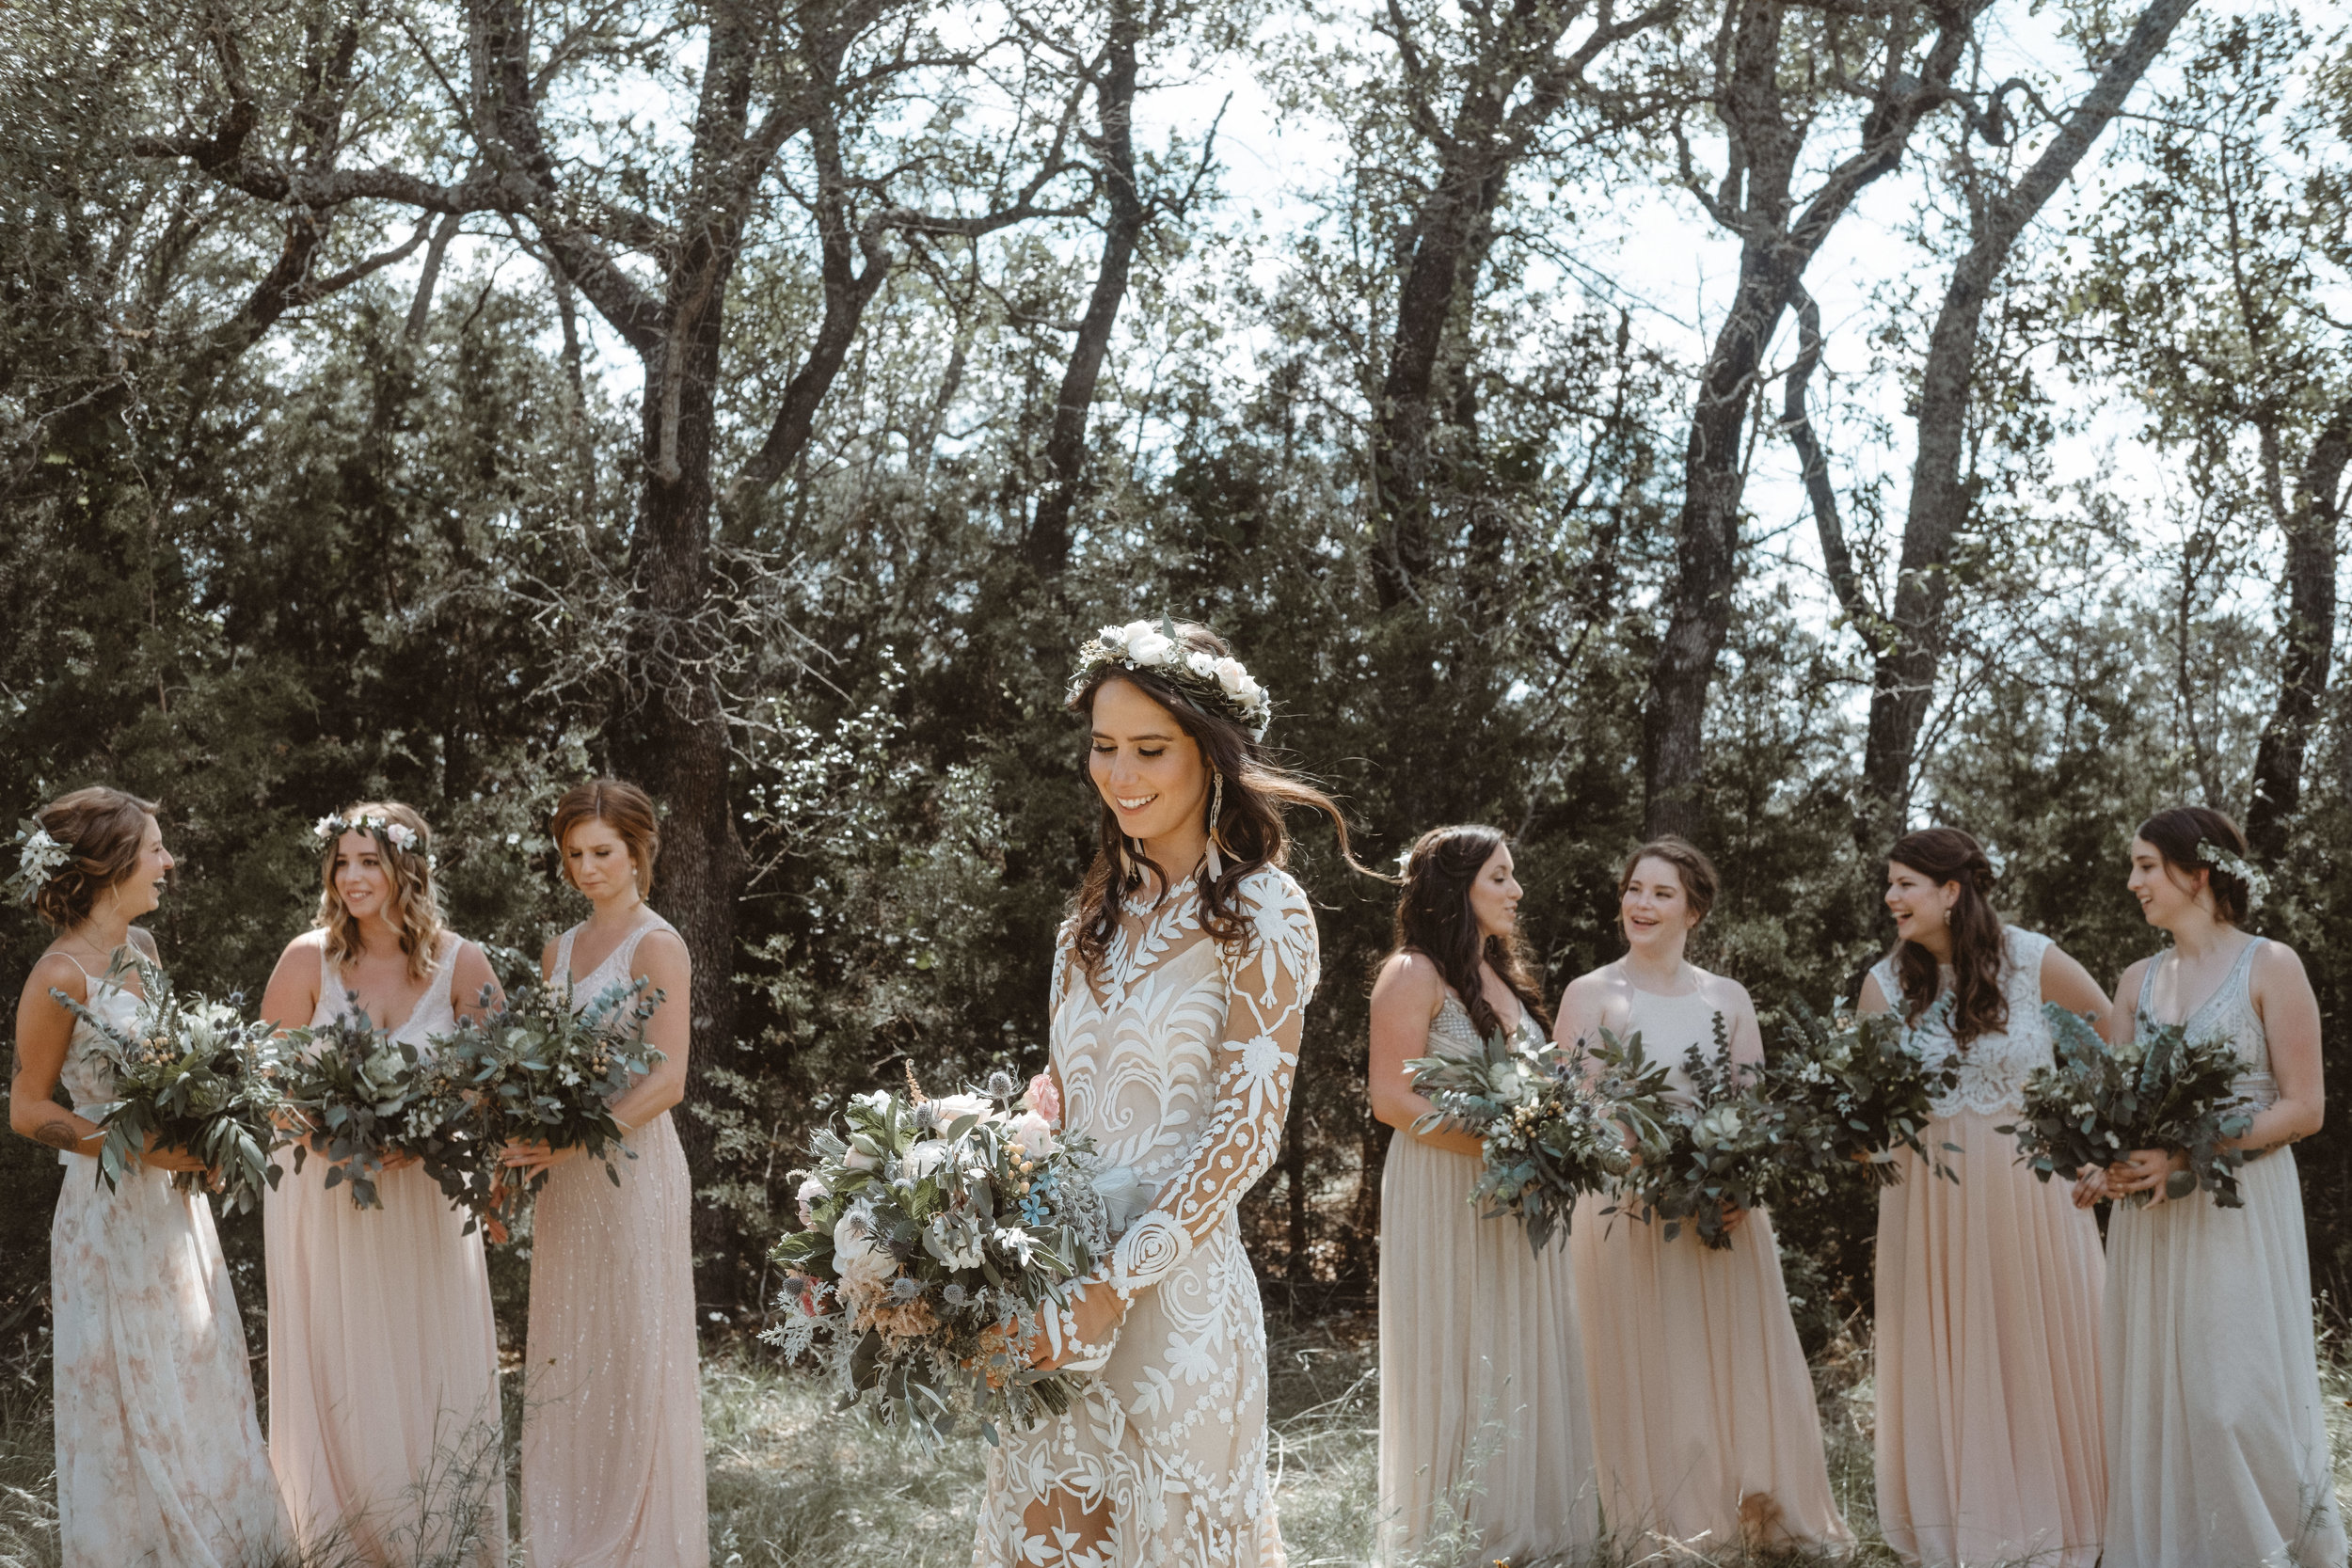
(539, 1072)
(366, 1098)
(937, 1233)
(1720, 1146)
(2095, 1103)
(1858, 1089)
(190, 1075)
(1547, 1137)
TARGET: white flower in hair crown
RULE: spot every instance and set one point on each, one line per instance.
(400, 835)
(1224, 684)
(2257, 885)
(37, 857)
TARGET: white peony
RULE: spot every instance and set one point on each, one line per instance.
(925, 1159)
(811, 1190)
(860, 1158)
(1036, 1134)
(1148, 645)
(1200, 664)
(1231, 674)
(866, 1267)
(948, 1107)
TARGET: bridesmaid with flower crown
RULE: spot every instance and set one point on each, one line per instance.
(613, 1431)
(158, 1457)
(383, 1355)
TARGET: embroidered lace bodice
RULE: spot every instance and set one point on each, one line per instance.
(1992, 1067)
(617, 968)
(1177, 1060)
(1453, 1034)
(2227, 1014)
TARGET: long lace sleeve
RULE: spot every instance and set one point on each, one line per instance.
(1269, 980)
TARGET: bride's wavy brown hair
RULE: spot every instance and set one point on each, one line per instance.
(1433, 919)
(1250, 833)
(1980, 1006)
(415, 905)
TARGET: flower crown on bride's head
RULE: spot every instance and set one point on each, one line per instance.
(1223, 684)
(400, 835)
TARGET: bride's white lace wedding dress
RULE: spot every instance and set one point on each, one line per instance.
(1177, 1060)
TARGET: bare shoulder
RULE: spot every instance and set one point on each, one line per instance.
(2128, 983)
(310, 943)
(2275, 961)
(546, 957)
(56, 972)
(663, 945)
(1408, 977)
(1723, 993)
(1592, 985)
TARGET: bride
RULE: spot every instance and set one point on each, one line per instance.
(1180, 984)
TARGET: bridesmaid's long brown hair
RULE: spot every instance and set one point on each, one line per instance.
(1433, 919)
(1978, 1004)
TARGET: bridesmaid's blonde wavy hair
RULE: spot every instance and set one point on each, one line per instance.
(416, 907)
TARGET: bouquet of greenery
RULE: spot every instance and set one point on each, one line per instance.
(2094, 1104)
(366, 1097)
(1857, 1089)
(190, 1075)
(1720, 1146)
(541, 1073)
(1547, 1137)
(938, 1234)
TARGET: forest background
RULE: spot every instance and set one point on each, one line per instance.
(761, 401)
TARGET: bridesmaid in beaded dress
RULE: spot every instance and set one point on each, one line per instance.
(1486, 1450)
(383, 1355)
(613, 1435)
(1989, 1425)
(158, 1457)
(2217, 1444)
(1703, 1412)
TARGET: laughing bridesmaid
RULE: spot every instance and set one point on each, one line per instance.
(613, 1435)
(383, 1357)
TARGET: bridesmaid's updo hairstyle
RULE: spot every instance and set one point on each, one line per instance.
(1697, 874)
(1978, 1004)
(1250, 833)
(2182, 835)
(626, 809)
(415, 905)
(1433, 919)
(102, 829)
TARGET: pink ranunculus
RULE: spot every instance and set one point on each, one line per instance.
(1043, 1098)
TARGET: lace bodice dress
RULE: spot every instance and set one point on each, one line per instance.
(383, 1355)
(1989, 1439)
(1177, 1061)
(2216, 1441)
(612, 1433)
(160, 1458)
(1485, 1434)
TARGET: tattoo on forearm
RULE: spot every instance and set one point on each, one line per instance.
(57, 1134)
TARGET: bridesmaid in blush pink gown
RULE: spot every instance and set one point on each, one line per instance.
(383, 1355)
(1990, 1446)
(612, 1438)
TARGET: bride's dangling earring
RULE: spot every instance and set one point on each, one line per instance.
(1216, 812)
(1128, 876)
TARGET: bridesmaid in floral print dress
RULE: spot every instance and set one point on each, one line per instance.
(158, 1457)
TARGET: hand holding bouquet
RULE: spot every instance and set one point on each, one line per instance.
(2094, 1104)
(191, 1076)
(1858, 1089)
(1547, 1137)
(938, 1234)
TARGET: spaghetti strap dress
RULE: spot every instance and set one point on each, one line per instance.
(613, 1431)
(2216, 1441)
(383, 1355)
(159, 1456)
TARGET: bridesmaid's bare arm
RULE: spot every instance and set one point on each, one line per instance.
(662, 957)
(1404, 999)
(469, 975)
(292, 998)
(1873, 1001)
(2070, 985)
(2290, 1016)
(42, 1029)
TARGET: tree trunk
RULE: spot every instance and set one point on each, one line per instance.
(2307, 638)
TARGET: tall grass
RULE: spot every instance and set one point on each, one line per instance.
(793, 1485)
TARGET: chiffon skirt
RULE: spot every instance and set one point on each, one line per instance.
(2218, 1447)
(158, 1457)
(1703, 1412)
(1989, 1431)
(613, 1431)
(1485, 1437)
(383, 1374)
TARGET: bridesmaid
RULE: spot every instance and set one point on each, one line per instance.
(1989, 1437)
(1703, 1410)
(2217, 1449)
(159, 1456)
(613, 1435)
(1484, 1440)
(383, 1357)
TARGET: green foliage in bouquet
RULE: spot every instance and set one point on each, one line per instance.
(190, 1075)
(541, 1073)
(356, 1087)
(1547, 1137)
(2094, 1104)
(936, 1234)
(1720, 1149)
(1856, 1091)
